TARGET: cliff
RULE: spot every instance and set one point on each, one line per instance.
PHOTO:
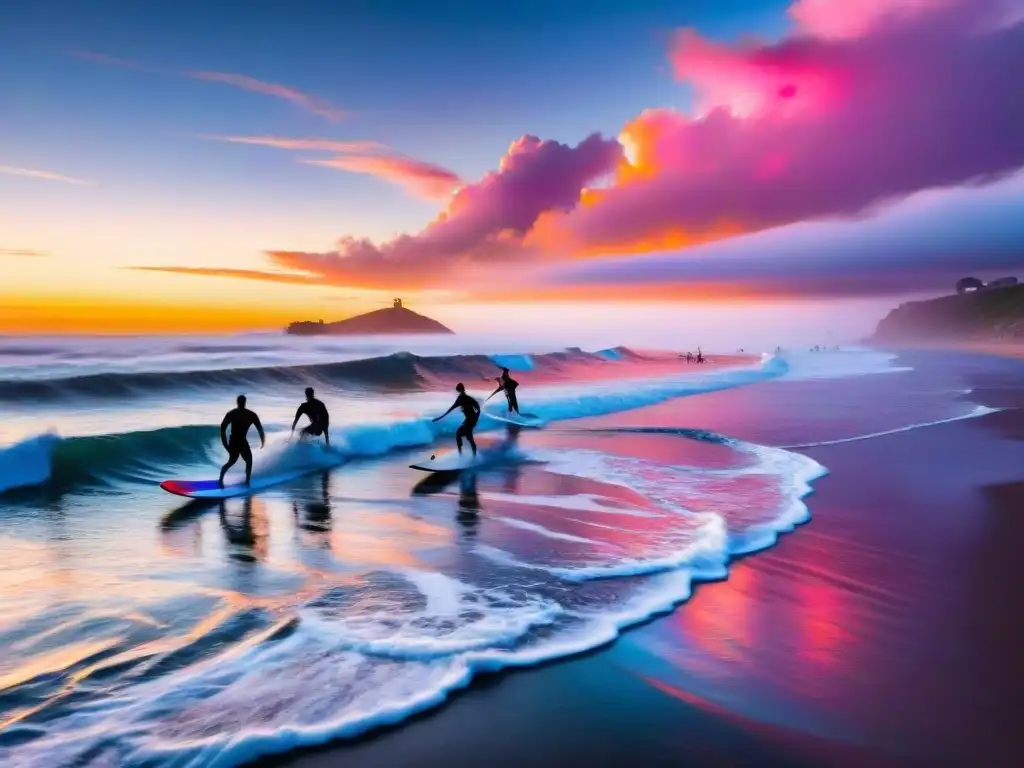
(393, 320)
(995, 314)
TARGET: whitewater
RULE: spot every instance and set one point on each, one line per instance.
(142, 631)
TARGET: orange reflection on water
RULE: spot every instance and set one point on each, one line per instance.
(719, 618)
(387, 539)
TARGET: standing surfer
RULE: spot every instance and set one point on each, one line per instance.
(319, 419)
(507, 383)
(471, 409)
(239, 419)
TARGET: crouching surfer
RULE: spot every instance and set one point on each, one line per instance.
(471, 410)
(239, 419)
(319, 419)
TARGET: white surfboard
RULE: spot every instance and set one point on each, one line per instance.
(528, 420)
(451, 461)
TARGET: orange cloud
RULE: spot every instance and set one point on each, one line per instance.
(29, 252)
(303, 100)
(47, 175)
(245, 274)
(370, 157)
(419, 177)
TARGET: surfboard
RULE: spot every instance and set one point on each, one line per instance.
(451, 461)
(528, 420)
(210, 489)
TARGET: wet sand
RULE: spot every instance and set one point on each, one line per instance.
(886, 632)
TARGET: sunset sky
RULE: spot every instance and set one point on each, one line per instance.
(210, 166)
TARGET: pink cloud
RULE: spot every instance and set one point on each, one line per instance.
(102, 58)
(853, 18)
(29, 173)
(313, 145)
(421, 178)
(482, 226)
(813, 127)
(296, 97)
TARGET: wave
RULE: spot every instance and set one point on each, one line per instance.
(382, 645)
(400, 371)
(65, 463)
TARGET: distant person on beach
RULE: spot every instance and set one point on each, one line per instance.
(319, 419)
(471, 410)
(700, 356)
(507, 383)
(689, 357)
(239, 419)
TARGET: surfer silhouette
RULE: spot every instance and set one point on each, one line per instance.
(239, 419)
(507, 383)
(319, 419)
(471, 409)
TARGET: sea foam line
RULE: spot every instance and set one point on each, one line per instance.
(981, 410)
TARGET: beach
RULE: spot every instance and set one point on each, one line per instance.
(845, 525)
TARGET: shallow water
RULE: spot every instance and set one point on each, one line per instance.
(140, 630)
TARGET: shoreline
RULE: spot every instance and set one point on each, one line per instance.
(904, 652)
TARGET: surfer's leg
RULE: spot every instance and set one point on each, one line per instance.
(458, 437)
(246, 453)
(232, 458)
(513, 403)
(466, 431)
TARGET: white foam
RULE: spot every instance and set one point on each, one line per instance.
(376, 648)
(980, 410)
(582, 502)
(844, 363)
(541, 530)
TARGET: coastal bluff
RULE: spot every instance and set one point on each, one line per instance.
(396, 320)
(981, 315)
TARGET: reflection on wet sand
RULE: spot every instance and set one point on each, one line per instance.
(313, 521)
(247, 534)
(468, 515)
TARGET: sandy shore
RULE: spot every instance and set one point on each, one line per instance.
(885, 632)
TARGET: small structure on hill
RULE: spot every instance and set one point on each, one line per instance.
(969, 285)
(396, 304)
(972, 284)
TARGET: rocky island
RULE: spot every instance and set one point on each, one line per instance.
(394, 320)
(976, 313)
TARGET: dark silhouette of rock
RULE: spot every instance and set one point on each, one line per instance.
(992, 314)
(393, 320)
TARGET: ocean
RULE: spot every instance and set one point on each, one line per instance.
(141, 630)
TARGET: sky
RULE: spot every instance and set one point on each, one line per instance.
(226, 166)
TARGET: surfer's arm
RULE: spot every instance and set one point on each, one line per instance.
(259, 428)
(298, 414)
(500, 387)
(454, 405)
(224, 432)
